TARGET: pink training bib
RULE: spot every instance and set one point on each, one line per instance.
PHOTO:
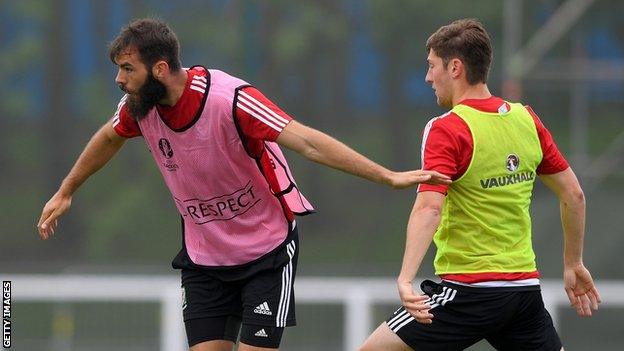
(230, 215)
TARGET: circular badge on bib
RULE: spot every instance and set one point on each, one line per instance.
(165, 148)
(513, 162)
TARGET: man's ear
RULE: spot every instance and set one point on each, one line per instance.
(456, 66)
(160, 69)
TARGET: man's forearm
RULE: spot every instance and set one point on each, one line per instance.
(100, 149)
(421, 227)
(322, 148)
(572, 207)
(333, 153)
(573, 221)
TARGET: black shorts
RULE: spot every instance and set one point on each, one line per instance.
(251, 295)
(511, 318)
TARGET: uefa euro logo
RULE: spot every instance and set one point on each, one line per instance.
(513, 162)
(165, 148)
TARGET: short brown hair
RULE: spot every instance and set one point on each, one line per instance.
(153, 39)
(467, 40)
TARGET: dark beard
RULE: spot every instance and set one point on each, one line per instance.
(145, 99)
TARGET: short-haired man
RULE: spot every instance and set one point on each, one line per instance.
(214, 138)
(492, 149)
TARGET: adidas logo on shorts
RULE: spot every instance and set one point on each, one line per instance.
(263, 308)
(261, 333)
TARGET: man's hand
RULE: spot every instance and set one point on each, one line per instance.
(400, 180)
(52, 210)
(579, 286)
(101, 148)
(417, 305)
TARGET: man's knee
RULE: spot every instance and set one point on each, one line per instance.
(367, 346)
(261, 336)
(213, 345)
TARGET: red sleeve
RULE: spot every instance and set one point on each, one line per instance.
(552, 161)
(123, 123)
(258, 117)
(446, 148)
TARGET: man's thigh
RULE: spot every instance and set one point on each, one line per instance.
(213, 345)
(384, 339)
(531, 328)
(205, 296)
(212, 333)
(445, 333)
(211, 309)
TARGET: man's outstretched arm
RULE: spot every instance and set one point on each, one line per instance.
(578, 282)
(321, 148)
(101, 148)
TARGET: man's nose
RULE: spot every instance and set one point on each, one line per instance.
(119, 78)
(428, 79)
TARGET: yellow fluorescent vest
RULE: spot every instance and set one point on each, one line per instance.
(485, 225)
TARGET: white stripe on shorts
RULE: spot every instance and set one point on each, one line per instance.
(400, 320)
(284, 303)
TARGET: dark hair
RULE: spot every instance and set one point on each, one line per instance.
(467, 40)
(153, 39)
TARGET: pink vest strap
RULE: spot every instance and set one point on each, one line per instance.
(295, 200)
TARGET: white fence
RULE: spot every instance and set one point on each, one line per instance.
(358, 295)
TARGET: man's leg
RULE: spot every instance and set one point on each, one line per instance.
(212, 334)
(245, 347)
(531, 327)
(214, 345)
(384, 339)
(211, 310)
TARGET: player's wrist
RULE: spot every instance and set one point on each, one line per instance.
(387, 177)
(573, 263)
(66, 191)
(405, 279)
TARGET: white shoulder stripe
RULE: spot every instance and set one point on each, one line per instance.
(196, 88)
(426, 135)
(261, 105)
(122, 101)
(116, 118)
(200, 78)
(198, 83)
(260, 114)
(252, 113)
(424, 141)
(250, 105)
